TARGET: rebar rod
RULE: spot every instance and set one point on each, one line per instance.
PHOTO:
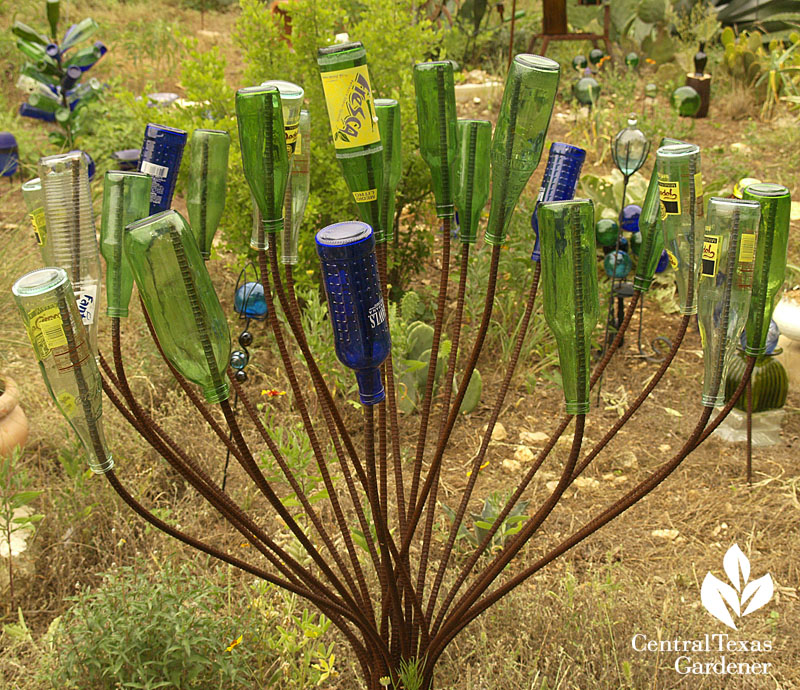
(749, 446)
(427, 400)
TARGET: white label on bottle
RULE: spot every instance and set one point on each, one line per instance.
(160, 171)
(376, 314)
(87, 302)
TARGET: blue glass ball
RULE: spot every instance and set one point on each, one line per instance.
(663, 262)
(629, 218)
(239, 359)
(617, 264)
(250, 302)
(772, 337)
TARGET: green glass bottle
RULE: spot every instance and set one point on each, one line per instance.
(471, 181)
(180, 299)
(291, 102)
(48, 309)
(80, 32)
(681, 216)
(651, 236)
(38, 100)
(264, 157)
(34, 201)
(84, 57)
(522, 124)
(770, 266)
(53, 11)
(126, 199)
(29, 34)
(30, 70)
(299, 186)
(388, 111)
(726, 279)
(36, 54)
(436, 119)
(569, 282)
(208, 173)
(354, 125)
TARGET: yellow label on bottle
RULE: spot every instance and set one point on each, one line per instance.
(46, 330)
(747, 248)
(351, 111)
(291, 133)
(673, 260)
(710, 259)
(698, 184)
(66, 402)
(366, 195)
(670, 197)
(298, 145)
(39, 225)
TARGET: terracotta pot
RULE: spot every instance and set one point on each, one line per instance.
(13, 422)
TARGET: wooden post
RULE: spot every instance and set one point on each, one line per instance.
(701, 84)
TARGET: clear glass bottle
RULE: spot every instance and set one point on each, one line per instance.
(126, 199)
(680, 194)
(180, 300)
(79, 32)
(354, 125)
(388, 111)
(34, 201)
(770, 268)
(71, 239)
(300, 184)
(208, 174)
(522, 124)
(726, 280)
(569, 284)
(264, 157)
(45, 301)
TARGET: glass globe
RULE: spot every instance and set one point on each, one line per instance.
(586, 90)
(606, 231)
(617, 264)
(629, 218)
(686, 101)
(249, 301)
(630, 148)
(595, 55)
(651, 90)
(580, 63)
(632, 60)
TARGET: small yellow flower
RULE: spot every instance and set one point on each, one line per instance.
(485, 464)
(650, 61)
(273, 393)
(230, 647)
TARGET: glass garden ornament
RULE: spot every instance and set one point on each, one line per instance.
(726, 279)
(357, 313)
(249, 301)
(78, 32)
(354, 125)
(770, 262)
(436, 119)
(71, 239)
(180, 300)
(388, 111)
(264, 157)
(580, 63)
(34, 201)
(162, 151)
(569, 281)
(629, 151)
(606, 231)
(48, 309)
(298, 186)
(518, 141)
(595, 55)
(617, 264)
(632, 60)
(29, 34)
(561, 175)
(651, 244)
(291, 103)
(208, 173)
(629, 218)
(126, 199)
(680, 194)
(685, 100)
(586, 90)
(53, 12)
(471, 178)
(651, 90)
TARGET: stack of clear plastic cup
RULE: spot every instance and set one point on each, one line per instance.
(34, 200)
(50, 315)
(71, 239)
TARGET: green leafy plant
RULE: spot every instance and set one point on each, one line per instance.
(54, 88)
(15, 514)
(781, 69)
(743, 56)
(482, 523)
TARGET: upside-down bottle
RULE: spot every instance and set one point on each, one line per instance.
(471, 178)
(47, 306)
(569, 281)
(726, 280)
(388, 111)
(522, 124)
(354, 125)
(355, 303)
(34, 201)
(177, 292)
(300, 182)
(651, 238)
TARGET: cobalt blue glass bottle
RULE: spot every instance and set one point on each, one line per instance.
(162, 151)
(358, 315)
(559, 182)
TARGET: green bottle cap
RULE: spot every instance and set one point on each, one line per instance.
(388, 111)
(208, 173)
(525, 112)
(264, 157)
(471, 180)
(180, 299)
(126, 199)
(726, 281)
(770, 262)
(436, 119)
(681, 199)
(569, 283)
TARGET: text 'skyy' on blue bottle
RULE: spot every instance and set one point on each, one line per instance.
(162, 151)
(358, 315)
(559, 182)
